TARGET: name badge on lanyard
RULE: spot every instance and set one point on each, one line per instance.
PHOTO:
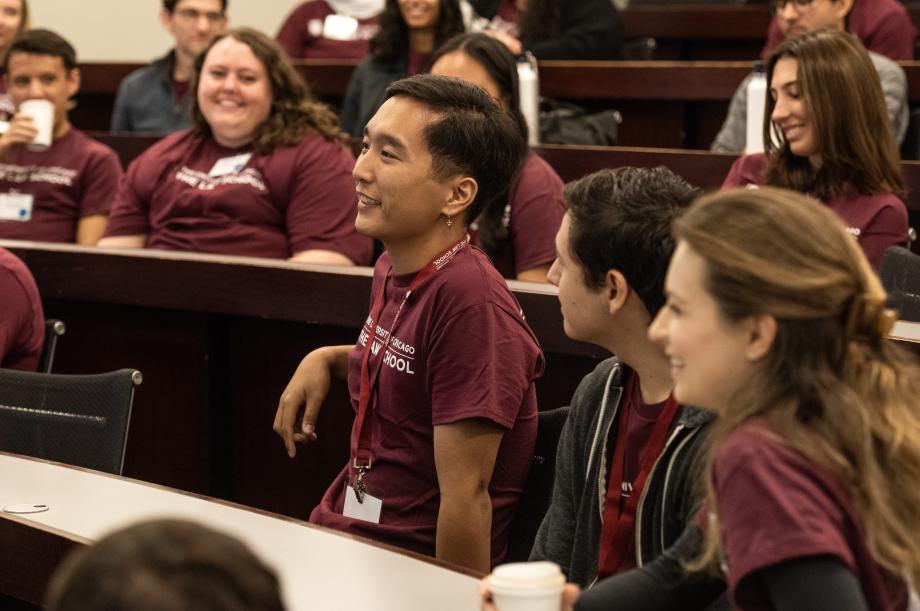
(16, 206)
(229, 165)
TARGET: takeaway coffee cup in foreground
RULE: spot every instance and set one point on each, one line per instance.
(42, 113)
(527, 586)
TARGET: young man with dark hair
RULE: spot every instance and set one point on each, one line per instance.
(155, 98)
(62, 193)
(623, 489)
(442, 376)
(165, 565)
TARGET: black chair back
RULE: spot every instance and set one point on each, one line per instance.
(538, 490)
(79, 420)
(900, 275)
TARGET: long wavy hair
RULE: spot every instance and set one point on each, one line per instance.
(832, 387)
(846, 108)
(501, 66)
(294, 111)
(391, 43)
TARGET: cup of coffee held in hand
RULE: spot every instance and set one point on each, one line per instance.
(527, 586)
(42, 113)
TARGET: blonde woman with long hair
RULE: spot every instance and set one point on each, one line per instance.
(776, 321)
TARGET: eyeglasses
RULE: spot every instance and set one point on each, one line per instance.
(800, 5)
(190, 14)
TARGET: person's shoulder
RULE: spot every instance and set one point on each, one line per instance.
(747, 170)
(753, 444)
(17, 272)
(535, 168)
(885, 65)
(882, 9)
(174, 142)
(143, 76)
(92, 147)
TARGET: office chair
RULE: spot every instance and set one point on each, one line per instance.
(80, 420)
(900, 275)
(54, 329)
(538, 489)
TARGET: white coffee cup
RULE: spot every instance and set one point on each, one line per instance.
(42, 113)
(527, 586)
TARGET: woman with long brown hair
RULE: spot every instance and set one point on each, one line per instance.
(263, 172)
(827, 134)
(814, 462)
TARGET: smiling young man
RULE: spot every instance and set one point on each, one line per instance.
(155, 98)
(797, 17)
(442, 375)
(623, 490)
(61, 194)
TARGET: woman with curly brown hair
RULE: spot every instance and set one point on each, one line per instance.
(410, 31)
(263, 171)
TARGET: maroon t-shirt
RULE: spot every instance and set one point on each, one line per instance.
(532, 217)
(302, 35)
(75, 178)
(22, 321)
(294, 199)
(640, 423)
(776, 505)
(461, 349)
(883, 26)
(877, 221)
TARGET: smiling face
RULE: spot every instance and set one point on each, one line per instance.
(458, 64)
(790, 113)
(42, 77)
(234, 92)
(399, 199)
(710, 356)
(10, 21)
(420, 14)
(585, 309)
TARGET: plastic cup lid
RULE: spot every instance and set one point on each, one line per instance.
(527, 575)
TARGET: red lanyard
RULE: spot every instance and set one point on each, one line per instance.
(361, 432)
(616, 538)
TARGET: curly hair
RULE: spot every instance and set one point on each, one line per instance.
(294, 111)
(392, 40)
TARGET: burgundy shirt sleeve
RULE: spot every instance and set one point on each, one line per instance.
(293, 32)
(21, 317)
(747, 170)
(100, 180)
(893, 36)
(774, 37)
(323, 203)
(480, 365)
(887, 228)
(129, 214)
(537, 208)
(774, 505)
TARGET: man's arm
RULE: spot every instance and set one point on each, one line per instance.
(464, 456)
(90, 229)
(124, 241)
(321, 257)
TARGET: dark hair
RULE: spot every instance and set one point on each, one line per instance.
(170, 5)
(846, 109)
(501, 66)
(391, 43)
(471, 135)
(294, 111)
(621, 219)
(42, 42)
(165, 565)
(541, 20)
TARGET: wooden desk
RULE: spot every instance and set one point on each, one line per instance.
(217, 339)
(318, 568)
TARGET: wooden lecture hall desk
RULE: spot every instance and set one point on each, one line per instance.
(319, 569)
(217, 339)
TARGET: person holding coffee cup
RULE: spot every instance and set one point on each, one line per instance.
(55, 182)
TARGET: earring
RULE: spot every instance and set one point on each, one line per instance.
(450, 221)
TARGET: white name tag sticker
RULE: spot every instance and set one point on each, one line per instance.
(230, 165)
(340, 27)
(15, 206)
(368, 511)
